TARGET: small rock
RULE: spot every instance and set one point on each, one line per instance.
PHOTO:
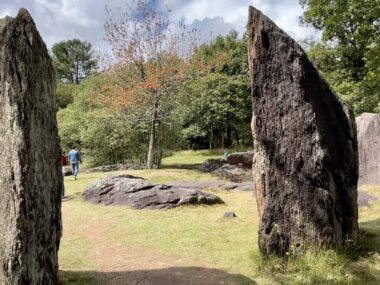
(229, 215)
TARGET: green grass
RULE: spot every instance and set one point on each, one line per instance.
(200, 236)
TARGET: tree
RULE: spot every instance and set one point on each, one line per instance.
(155, 58)
(73, 60)
(220, 107)
(217, 101)
(345, 55)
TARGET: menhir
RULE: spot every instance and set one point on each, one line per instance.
(369, 148)
(306, 163)
(30, 172)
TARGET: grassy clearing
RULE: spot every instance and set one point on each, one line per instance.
(199, 236)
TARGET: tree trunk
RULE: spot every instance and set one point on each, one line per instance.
(211, 138)
(222, 140)
(77, 72)
(237, 137)
(229, 135)
(152, 139)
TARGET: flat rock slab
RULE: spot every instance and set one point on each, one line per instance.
(243, 158)
(237, 172)
(219, 184)
(116, 167)
(138, 193)
(210, 165)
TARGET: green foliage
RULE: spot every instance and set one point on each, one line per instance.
(73, 60)
(64, 93)
(105, 137)
(217, 109)
(348, 55)
(218, 103)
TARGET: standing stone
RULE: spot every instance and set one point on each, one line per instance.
(30, 173)
(369, 148)
(305, 166)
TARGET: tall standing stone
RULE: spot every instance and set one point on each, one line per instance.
(369, 148)
(30, 173)
(306, 165)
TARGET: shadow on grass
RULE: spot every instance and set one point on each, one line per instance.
(370, 236)
(164, 276)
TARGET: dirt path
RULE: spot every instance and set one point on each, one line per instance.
(118, 264)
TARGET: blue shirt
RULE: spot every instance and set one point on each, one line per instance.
(74, 155)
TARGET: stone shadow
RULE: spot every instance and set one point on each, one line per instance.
(369, 238)
(164, 276)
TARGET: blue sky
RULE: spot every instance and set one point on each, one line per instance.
(84, 19)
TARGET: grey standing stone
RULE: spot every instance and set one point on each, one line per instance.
(369, 148)
(306, 164)
(30, 172)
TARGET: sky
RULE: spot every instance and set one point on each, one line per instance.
(59, 20)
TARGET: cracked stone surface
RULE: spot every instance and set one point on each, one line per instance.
(305, 165)
(138, 193)
(30, 177)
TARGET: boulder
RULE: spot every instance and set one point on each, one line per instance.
(369, 148)
(31, 179)
(305, 165)
(215, 184)
(234, 173)
(243, 158)
(116, 167)
(211, 164)
(138, 193)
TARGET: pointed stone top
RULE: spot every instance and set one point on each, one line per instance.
(22, 14)
(258, 20)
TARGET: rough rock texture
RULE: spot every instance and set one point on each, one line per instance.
(211, 164)
(229, 215)
(234, 173)
(244, 158)
(31, 174)
(218, 184)
(369, 148)
(221, 168)
(305, 165)
(116, 167)
(138, 193)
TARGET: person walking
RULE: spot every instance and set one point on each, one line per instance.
(74, 158)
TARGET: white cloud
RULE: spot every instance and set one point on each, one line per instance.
(84, 19)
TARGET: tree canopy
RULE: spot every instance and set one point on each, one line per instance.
(73, 60)
(347, 53)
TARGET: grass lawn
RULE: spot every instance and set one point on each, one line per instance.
(96, 237)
